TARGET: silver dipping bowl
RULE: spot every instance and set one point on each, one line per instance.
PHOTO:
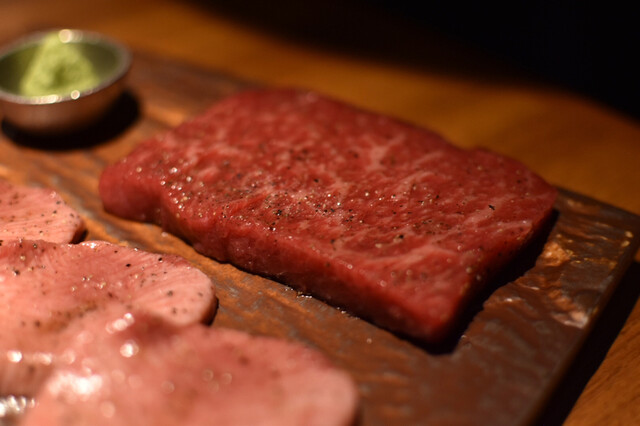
(51, 114)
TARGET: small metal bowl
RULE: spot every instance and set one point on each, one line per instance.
(66, 112)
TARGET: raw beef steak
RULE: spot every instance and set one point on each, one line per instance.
(150, 373)
(46, 289)
(366, 212)
(38, 214)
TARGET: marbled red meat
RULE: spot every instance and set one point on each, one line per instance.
(374, 215)
(46, 289)
(36, 213)
(145, 372)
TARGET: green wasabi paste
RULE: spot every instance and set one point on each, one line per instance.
(58, 68)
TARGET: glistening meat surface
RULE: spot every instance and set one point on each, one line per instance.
(36, 213)
(369, 213)
(146, 372)
(46, 290)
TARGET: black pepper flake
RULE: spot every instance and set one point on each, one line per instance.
(492, 207)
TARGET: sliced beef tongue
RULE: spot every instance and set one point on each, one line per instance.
(47, 288)
(369, 213)
(151, 373)
(37, 214)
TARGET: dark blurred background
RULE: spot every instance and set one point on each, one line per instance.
(589, 47)
(583, 46)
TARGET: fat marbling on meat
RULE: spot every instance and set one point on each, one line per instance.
(36, 213)
(146, 372)
(47, 289)
(369, 213)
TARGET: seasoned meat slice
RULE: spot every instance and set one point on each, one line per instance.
(37, 214)
(366, 212)
(47, 288)
(146, 372)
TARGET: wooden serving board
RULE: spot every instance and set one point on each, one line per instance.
(500, 369)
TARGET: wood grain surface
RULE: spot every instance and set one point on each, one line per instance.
(471, 99)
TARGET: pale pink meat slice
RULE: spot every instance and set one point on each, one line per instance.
(37, 214)
(151, 373)
(46, 288)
